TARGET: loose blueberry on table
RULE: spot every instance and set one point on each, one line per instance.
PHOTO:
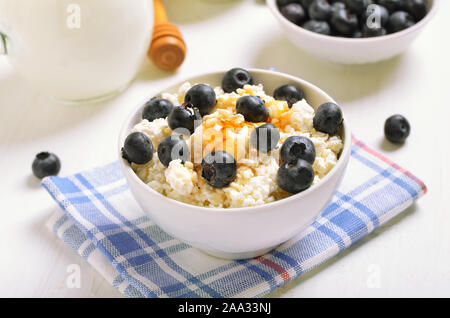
(397, 129)
(354, 18)
(138, 148)
(46, 164)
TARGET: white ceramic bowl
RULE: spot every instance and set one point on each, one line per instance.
(348, 50)
(238, 233)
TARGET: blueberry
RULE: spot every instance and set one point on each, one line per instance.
(375, 15)
(201, 96)
(294, 12)
(417, 8)
(369, 32)
(138, 148)
(357, 34)
(295, 178)
(184, 118)
(328, 118)
(320, 27)
(392, 5)
(344, 22)
(298, 147)
(253, 108)
(171, 148)
(236, 78)
(46, 164)
(290, 93)
(219, 168)
(357, 6)
(397, 129)
(319, 10)
(282, 3)
(156, 108)
(399, 21)
(336, 6)
(306, 3)
(265, 137)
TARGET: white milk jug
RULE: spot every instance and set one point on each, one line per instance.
(76, 50)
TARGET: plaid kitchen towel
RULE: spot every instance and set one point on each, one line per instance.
(100, 219)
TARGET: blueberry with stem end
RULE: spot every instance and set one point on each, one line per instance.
(219, 168)
(236, 78)
(298, 147)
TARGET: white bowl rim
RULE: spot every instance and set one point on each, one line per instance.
(274, 8)
(126, 168)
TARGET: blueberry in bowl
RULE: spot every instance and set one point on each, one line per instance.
(355, 31)
(273, 169)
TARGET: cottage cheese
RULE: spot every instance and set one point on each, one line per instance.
(255, 183)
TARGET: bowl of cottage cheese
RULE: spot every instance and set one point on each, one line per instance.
(237, 162)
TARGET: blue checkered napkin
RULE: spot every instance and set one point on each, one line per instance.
(100, 219)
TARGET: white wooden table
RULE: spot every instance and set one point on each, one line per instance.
(408, 257)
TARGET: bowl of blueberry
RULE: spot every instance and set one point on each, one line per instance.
(353, 31)
(235, 162)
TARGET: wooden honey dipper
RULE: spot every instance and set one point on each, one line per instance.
(167, 49)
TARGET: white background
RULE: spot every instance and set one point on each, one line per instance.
(411, 254)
